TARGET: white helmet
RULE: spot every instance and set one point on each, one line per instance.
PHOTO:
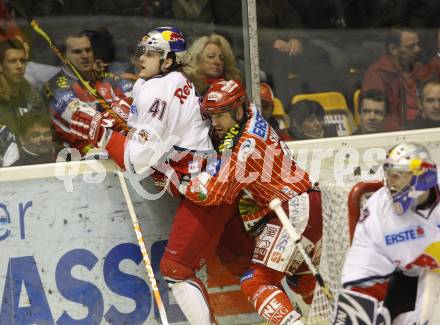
(164, 40)
(414, 158)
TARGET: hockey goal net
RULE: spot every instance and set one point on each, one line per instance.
(341, 210)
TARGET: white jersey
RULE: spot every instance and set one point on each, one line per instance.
(385, 241)
(165, 114)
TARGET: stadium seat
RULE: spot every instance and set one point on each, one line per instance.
(357, 114)
(278, 109)
(336, 110)
(280, 114)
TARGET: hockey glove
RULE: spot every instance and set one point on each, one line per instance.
(197, 186)
(92, 126)
(122, 109)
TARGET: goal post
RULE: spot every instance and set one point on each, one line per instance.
(356, 198)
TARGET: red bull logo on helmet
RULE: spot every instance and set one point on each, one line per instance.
(172, 36)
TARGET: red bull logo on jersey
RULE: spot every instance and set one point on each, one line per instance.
(405, 235)
(430, 258)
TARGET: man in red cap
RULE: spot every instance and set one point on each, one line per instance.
(267, 106)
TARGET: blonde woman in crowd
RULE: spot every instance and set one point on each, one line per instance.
(211, 59)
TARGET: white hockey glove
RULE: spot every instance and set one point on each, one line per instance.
(195, 185)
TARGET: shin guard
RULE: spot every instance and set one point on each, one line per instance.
(192, 298)
(189, 292)
(269, 300)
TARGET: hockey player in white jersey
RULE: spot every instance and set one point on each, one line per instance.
(397, 238)
(169, 133)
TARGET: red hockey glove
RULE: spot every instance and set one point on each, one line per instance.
(88, 124)
(121, 108)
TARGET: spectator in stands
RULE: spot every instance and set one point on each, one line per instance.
(267, 107)
(104, 48)
(35, 140)
(211, 59)
(307, 122)
(373, 107)
(8, 147)
(429, 115)
(36, 73)
(8, 28)
(68, 100)
(17, 97)
(397, 73)
(434, 64)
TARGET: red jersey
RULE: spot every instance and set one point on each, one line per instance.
(257, 162)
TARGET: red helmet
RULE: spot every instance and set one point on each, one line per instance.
(223, 96)
(266, 93)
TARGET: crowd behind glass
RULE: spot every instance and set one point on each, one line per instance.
(328, 68)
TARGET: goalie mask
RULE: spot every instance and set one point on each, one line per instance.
(409, 172)
(164, 40)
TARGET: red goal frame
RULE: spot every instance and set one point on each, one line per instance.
(355, 200)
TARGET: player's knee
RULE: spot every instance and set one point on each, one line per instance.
(249, 284)
(175, 270)
(256, 277)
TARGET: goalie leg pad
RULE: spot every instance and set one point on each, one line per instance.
(352, 308)
(261, 287)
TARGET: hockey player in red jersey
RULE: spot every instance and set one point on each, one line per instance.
(170, 134)
(396, 240)
(70, 103)
(255, 162)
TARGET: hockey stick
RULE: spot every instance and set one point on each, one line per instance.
(18, 5)
(138, 231)
(275, 205)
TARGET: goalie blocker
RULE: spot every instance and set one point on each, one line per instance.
(356, 308)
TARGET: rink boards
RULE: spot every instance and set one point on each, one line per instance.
(69, 254)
